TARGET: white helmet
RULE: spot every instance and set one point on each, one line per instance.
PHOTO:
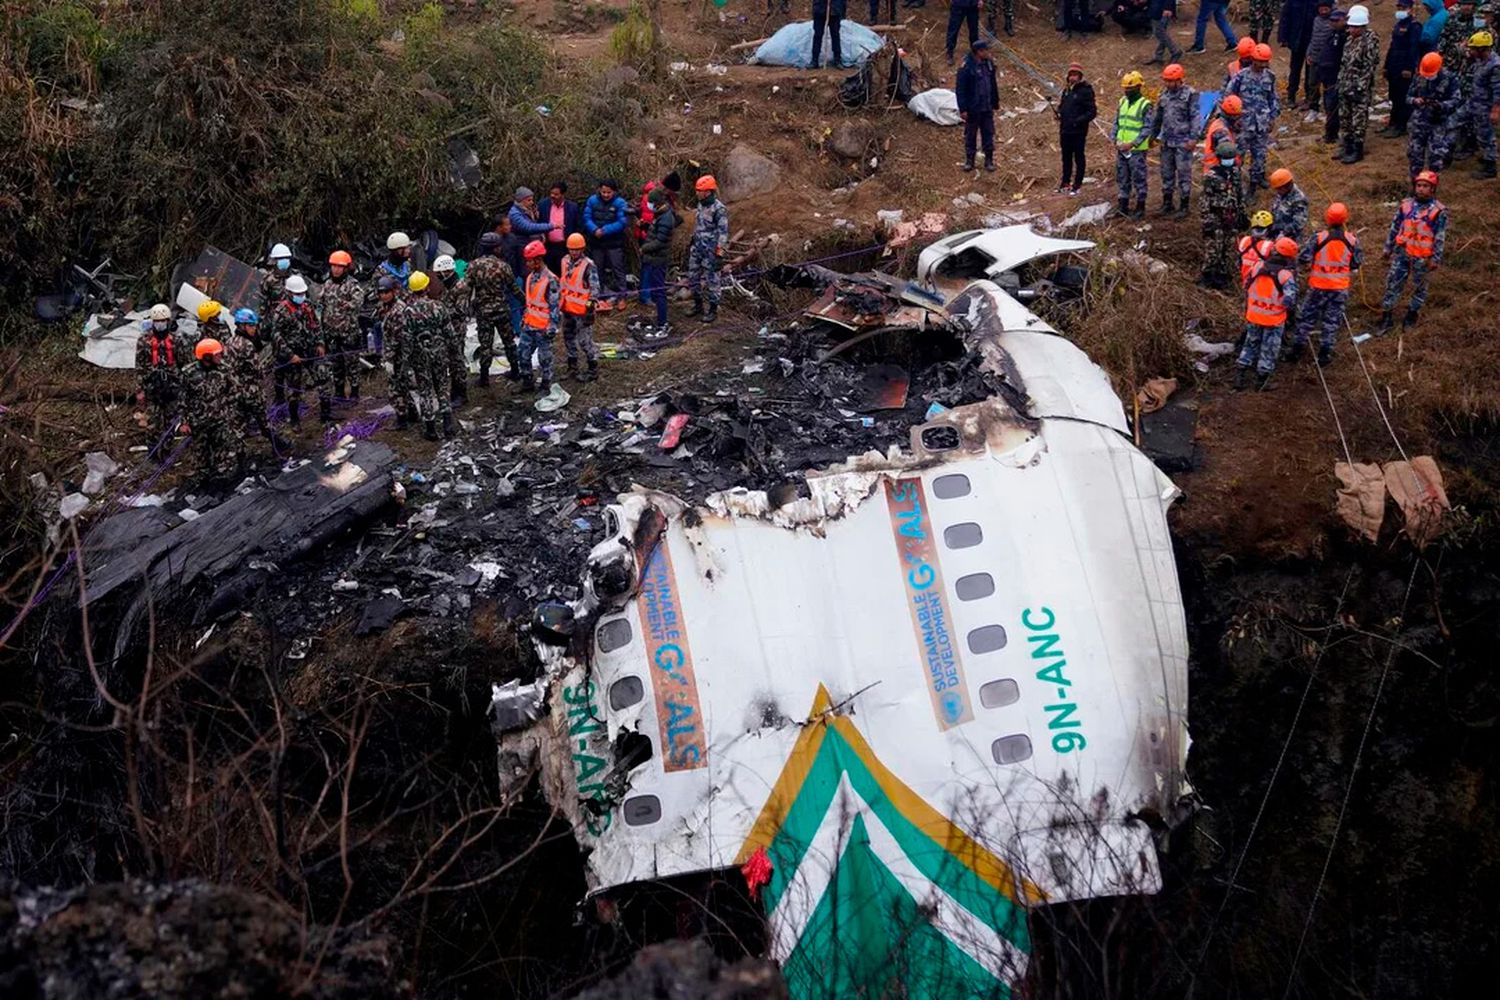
(281, 252)
(443, 265)
(397, 241)
(1359, 16)
(296, 285)
(160, 311)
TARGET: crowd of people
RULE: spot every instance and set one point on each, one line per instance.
(540, 271)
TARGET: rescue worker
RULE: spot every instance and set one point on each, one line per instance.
(540, 321)
(1132, 137)
(1435, 109)
(1483, 106)
(1255, 246)
(1333, 256)
(1222, 209)
(1262, 19)
(1256, 89)
(160, 356)
(246, 364)
(299, 351)
(1223, 124)
(1175, 128)
(492, 285)
(388, 308)
(211, 325)
(208, 399)
(828, 14)
(444, 289)
(339, 304)
(273, 285)
(706, 251)
(1270, 294)
(422, 329)
(397, 263)
(1356, 83)
(1289, 207)
(1414, 246)
(578, 290)
(1244, 55)
(1453, 46)
(1006, 7)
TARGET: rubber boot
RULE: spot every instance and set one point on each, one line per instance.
(513, 358)
(697, 309)
(1340, 153)
(1168, 204)
(429, 430)
(522, 382)
(1325, 357)
(325, 410)
(1329, 137)
(1182, 209)
(1410, 319)
(1485, 170)
(573, 370)
(448, 424)
(1241, 377)
(1295, 354)
(1140, 208)
(710, 314)
(1355, 153)
(593, 372)
(989, 163)
(1263, 384)
(1123, 208)
(484, 374)
(461, 389)
(1386, 324)
(294, 413)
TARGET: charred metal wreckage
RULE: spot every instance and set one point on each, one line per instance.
(914, 695)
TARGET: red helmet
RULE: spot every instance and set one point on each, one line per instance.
(1262, 53)
(1428, 177)
(1246, 48)
(340, 257)
(533, 250)
(1232, 105)
(1173, 71)
(1431, 63)
(206, 346)
(1337, 214)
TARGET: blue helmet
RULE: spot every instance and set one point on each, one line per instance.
(246, 316)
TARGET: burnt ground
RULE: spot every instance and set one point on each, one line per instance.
(321, 780)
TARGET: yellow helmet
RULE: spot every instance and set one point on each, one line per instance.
(1262, 220)
(418, 281)
(207, 310)
(1132, 79)
(1481, 40)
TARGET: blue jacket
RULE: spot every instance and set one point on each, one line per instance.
(523, 229)
(976, 89)
(1437, 16)
(1405, 50)
(611, 218)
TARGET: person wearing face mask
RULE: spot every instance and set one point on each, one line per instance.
(160, 356)
(273, 284)
(452, 298)
(1132, 136)
(1356, 82)
(1401, 67)
(298, 348)
(339, 305)
(1222, 210)
(246, 365)
(211, 325)
(397, 263)
(1482, 105)
(208, 399)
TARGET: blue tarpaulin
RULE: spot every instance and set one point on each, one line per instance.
(1206, 102)
(792, 45)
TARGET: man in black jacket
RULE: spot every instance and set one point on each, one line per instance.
(1401, 65)
(1328, 73)
(1294, 33)
(1075, 110)
(978, 97)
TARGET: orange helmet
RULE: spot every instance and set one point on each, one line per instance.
(1262, 53)
(1286, 246)
(576, 241)
(706, 183)
(1337, 214)
(1246, 48)
(340, 257)
(1232, 105)
(1280, 177)
(1172, 72)
(1427, 176)
(207, 346)
(533, 250)
(1431, 63)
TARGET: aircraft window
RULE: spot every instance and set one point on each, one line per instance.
(987, 638)
(962, 536)
(625, 692)
(643, 810)
(974, 586)
(949, 487)
(1007, 750)
(613, 634)
(998, 694)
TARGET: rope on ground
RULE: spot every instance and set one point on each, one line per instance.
(1359, 752)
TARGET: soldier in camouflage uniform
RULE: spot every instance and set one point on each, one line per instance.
(1288, 207)
(1008, 7)
(1262, 19)
(208, 397)
(300, 353)
(1256, 88)
(491, 280)
(211, 325)
(1175, 128)
(452, 297)
(272, 291)
(1435, 109)
(1356, 84)
(422, 326)
(1222, 208)
(1453, 46)
(161, 354)
(339, 305)
(248, 366)
(706, 251)
(1482, 107)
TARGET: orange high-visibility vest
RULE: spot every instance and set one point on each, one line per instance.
(1210, 158)
(1264, 303)
(538, 312)
(574, 290)
(156, 344)
(1332, 262)
(1253, 253)
(1234, 68)
(1418, 233)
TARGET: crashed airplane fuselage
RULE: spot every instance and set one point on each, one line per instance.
(938, 688)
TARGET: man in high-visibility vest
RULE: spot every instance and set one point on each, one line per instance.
(1414, 245)
(577, 292)
(539, 318)
(1255, 247)
(1132, 138)
(1333, 256)
(1269, 296)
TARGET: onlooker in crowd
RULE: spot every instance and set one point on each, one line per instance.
(1219, 11)
(1133, 16)
(656, 254)
(565, 218)
(1329, 61)
(524, 226)
(1401, 65)
(605, 216)
(1295, 34)
(1075, 109)
(1162, 12)
(962, 12)
(978, 97)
